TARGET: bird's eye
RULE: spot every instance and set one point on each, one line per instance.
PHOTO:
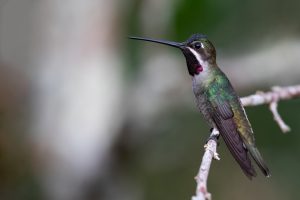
(197, 45)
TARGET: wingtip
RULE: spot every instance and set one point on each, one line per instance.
(250, 173)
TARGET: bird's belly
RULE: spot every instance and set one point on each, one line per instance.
(202, 101)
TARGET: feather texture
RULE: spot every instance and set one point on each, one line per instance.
(234, 142)
(221, 106)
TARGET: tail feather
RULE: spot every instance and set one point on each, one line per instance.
(259, 160)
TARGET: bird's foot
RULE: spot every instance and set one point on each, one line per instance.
(213, 136)
(216, 156)
(208, 147)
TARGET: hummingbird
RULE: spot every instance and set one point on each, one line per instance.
(218, 101)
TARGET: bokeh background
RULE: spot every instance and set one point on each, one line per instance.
(86, 114)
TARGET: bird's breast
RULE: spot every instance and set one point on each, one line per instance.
(202, 102)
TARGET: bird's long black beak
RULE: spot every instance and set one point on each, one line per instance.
(165, 42)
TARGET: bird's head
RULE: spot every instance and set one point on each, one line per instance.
(199, 52)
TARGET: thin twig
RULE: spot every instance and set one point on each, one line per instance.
(283, 126)
(272, 98)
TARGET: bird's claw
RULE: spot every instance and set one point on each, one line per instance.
(215, 154)
(213, 137)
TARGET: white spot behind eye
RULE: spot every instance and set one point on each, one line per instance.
(202, 45)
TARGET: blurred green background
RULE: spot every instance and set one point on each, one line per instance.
(87, 114)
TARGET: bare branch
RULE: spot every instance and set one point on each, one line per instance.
(272, 98)
(201, 178)
(277, 93)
